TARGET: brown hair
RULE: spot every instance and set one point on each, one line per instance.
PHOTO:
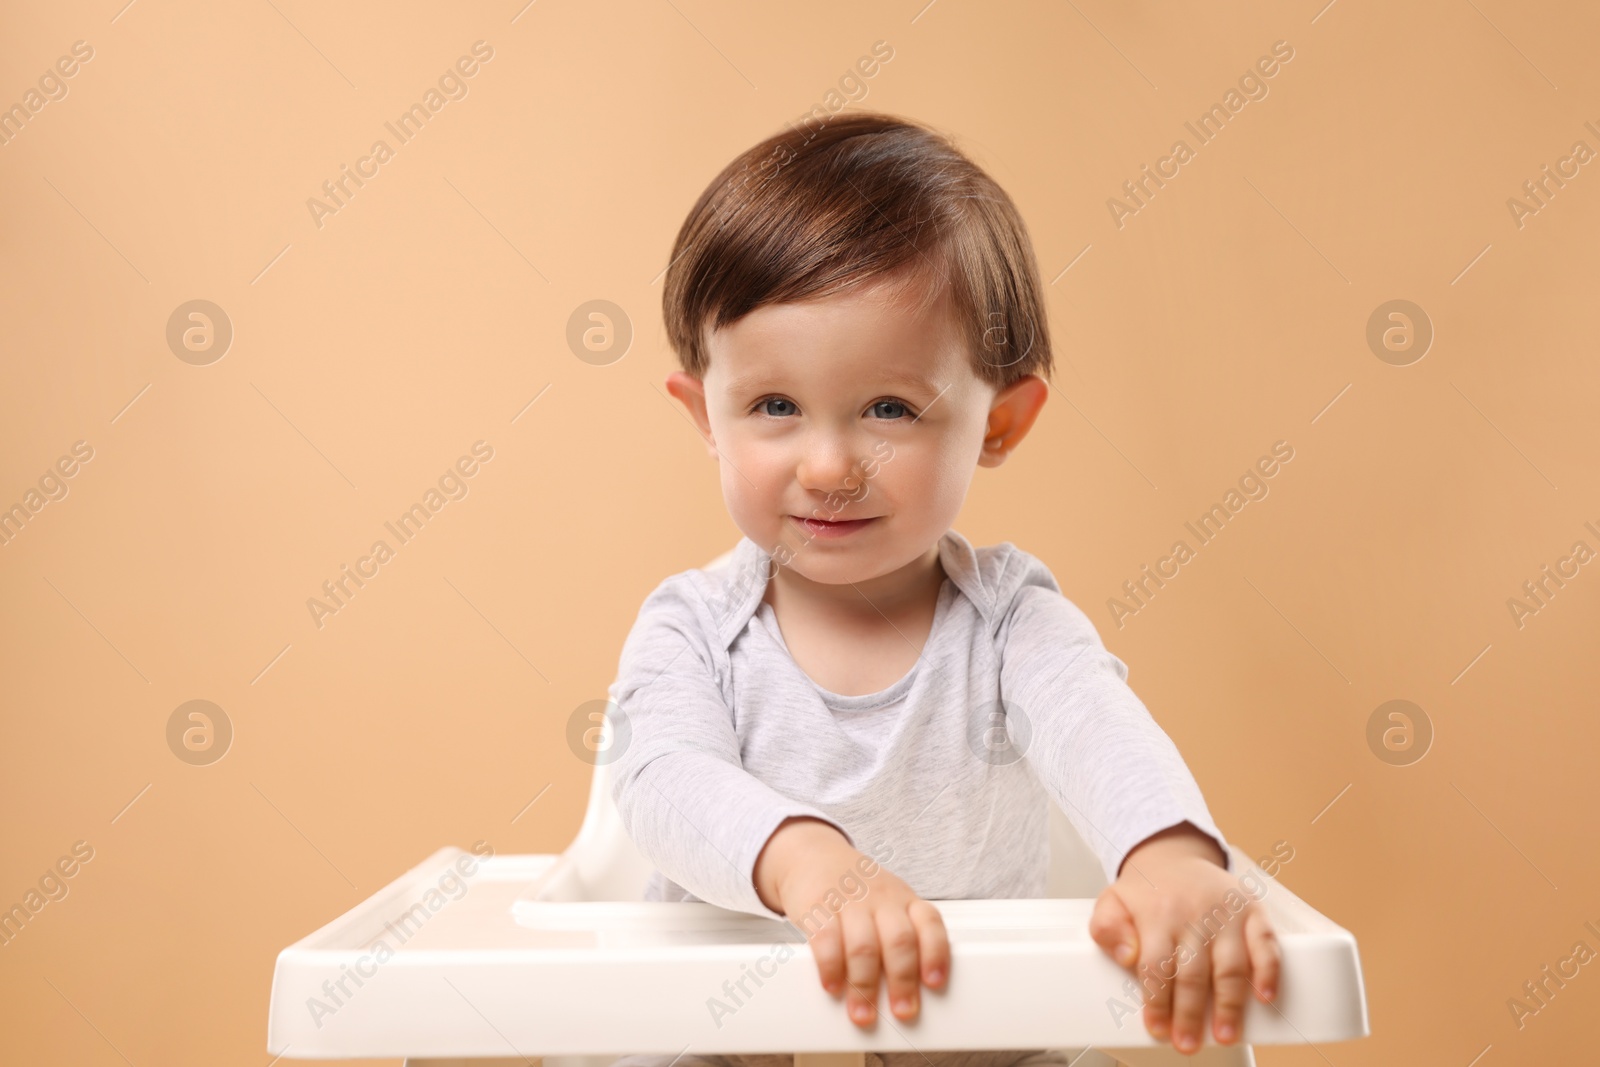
(867, 197)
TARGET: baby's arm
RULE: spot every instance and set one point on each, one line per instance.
(1122, 783)
(679, 784)
(694, 811)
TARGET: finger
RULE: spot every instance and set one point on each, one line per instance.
(933, 942)
(1157, 972)
(1191, 992)
(1112, 928)
(1230, 978)
(827, 948)
(1265, 957)
(861, 963)
(898, 937)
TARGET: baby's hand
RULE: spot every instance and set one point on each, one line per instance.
(861, 920)
(1169, 881)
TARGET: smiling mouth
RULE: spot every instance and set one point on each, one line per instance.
(825, 527)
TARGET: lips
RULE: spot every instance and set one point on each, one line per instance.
(831, 528)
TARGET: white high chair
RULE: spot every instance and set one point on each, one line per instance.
(559, 958)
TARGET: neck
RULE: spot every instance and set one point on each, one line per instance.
(904, 589)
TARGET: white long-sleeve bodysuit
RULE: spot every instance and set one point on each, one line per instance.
(942, 776)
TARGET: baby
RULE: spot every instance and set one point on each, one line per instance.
(860, 712)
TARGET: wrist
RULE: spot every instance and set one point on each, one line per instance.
(795, 837)
(1184, 839)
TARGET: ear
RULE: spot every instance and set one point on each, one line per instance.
(1011, 417)
(691, 393)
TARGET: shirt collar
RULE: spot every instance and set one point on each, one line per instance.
(734, 586)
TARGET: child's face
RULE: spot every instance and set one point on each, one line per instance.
(844, 408)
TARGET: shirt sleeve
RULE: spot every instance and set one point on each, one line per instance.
(1114, 772)
(679, 784)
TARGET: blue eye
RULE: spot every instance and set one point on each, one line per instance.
(892, 404)
(898, 408)
(760, 405)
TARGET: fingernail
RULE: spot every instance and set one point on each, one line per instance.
(1158, 1029)
(935, 976)
(1185, 1042)
(902, 1006)
(1225, 1032)
(861, 1012)
(1125, 954)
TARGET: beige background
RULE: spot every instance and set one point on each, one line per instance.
(370, 353)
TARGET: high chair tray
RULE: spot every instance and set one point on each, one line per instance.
(441, 963)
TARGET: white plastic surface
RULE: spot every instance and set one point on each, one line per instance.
(616, 977)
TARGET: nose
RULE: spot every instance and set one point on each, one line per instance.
(831, 463)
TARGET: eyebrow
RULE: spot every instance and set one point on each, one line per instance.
(751, 382)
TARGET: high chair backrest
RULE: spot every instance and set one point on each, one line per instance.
(602, 862)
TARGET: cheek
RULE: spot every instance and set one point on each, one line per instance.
(757, 472)
(949, 482)
(922, 477)
(944, 478)
(754, 481)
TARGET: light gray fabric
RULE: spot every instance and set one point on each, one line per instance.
(941, 777)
